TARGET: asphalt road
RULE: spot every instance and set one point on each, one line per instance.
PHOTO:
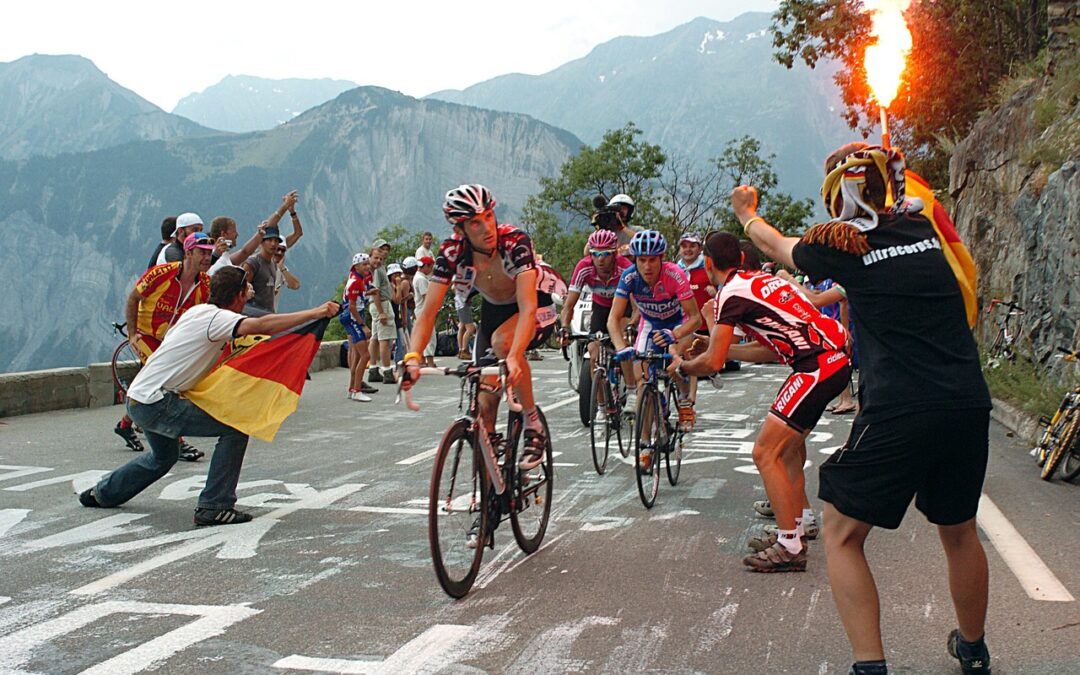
(334, 573)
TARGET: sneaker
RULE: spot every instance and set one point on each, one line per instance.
(533, 355)
(366, 388)
(687, 416)
(764, 508)
(465, 355)
(349, 393)
(131, 439)
(810, 530)
(974, 658)
(716, 381)
(373, 375)
(776, 558)
(188, 453)
(206, 517)
(360, 396)
(87, 498)
(388, 377)
(532, 450)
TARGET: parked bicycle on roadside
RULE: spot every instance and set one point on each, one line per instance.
(1060, 443)
(1010, 330)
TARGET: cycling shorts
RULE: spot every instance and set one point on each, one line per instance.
(492, 316)
(807, 391)
(646, 327)
(355, 331)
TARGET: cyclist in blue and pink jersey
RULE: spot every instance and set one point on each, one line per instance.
(669, 314)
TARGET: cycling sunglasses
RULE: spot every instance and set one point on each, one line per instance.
(602, 254)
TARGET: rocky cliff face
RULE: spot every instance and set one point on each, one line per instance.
(79, 228)
(1016, 182)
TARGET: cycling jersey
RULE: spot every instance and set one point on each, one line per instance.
(603, 290)
(161, 304)
(779, 316)
(355, 288)
(662, 302)
(454, 264)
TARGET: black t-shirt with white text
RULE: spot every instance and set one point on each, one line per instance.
(915, 348)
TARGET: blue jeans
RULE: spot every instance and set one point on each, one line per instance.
(164, 423)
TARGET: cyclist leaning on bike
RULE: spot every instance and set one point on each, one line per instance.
(517, 312)
(599, 270)
(669, 315)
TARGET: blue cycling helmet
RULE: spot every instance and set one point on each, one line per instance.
(647, 242)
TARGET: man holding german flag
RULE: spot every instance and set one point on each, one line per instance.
(249, 392)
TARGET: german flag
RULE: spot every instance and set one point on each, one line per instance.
(257, 384)
(963, 266)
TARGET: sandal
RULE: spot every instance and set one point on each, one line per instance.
(842, 411)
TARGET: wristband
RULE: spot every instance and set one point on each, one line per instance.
(292, 213)
(746, 225)
(411, 355)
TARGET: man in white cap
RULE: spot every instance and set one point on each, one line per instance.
(186, 223)
(421, 282)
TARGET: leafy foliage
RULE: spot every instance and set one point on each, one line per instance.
(961, 50)
(673, 194)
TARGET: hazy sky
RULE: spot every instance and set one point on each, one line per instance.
(166, 50)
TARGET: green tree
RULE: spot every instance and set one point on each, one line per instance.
(742, 163)
(402, 243)
(961, 50)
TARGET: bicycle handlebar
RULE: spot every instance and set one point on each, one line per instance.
(1007, 303)
(464, 370)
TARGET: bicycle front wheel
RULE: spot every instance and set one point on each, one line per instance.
(573, 367)
(457, 520)
(674, 450)
(599, 424)
(1071, 467)
(532, 508)
(647, 441)
(1063, 444)
(585, 394)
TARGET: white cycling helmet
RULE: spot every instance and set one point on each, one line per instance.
(360, 258)
(465, 201)
(623, 200)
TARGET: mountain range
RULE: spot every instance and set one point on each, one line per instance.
(243, 103)
(691, 90)
(88, 168)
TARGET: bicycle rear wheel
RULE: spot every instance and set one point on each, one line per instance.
(1064, 443)
(456, 506)
(648, 437)
(125, 364)
(674, 450)
(573, 366)
(532, 508)
(585, 394)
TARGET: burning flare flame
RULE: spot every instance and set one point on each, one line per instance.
(885, 60)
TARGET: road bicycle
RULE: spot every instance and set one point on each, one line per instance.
(1010, 330)
(476, 483)
(606, 404)
(655, 437)
(578, 350)
(125, 363)
(1060, 443)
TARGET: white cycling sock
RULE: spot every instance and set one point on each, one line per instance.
(799, 527)
(790, 540)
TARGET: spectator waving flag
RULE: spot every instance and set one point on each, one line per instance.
(956, 253)
(254, 387)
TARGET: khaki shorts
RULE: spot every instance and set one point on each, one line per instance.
(381, 332)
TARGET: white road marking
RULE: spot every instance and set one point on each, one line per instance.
(559, 404)
(79, 481)
(1032, 573)
(390, 509)
(12, 472)
(112, 526)
(419, 457)
(607, 523)
(4, 599)
(17, 648)
(675, 514)
(9, 518)
(416, 655)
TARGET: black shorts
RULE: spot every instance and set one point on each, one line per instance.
(598, 320)
(492, 316)
(807, 391)
(938, 457)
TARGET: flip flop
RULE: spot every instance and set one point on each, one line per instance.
(830, 408)
(842, 411)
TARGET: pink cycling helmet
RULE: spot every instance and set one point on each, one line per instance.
(603, 240)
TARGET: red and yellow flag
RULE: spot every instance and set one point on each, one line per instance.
(254, 388)
(960, 260)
